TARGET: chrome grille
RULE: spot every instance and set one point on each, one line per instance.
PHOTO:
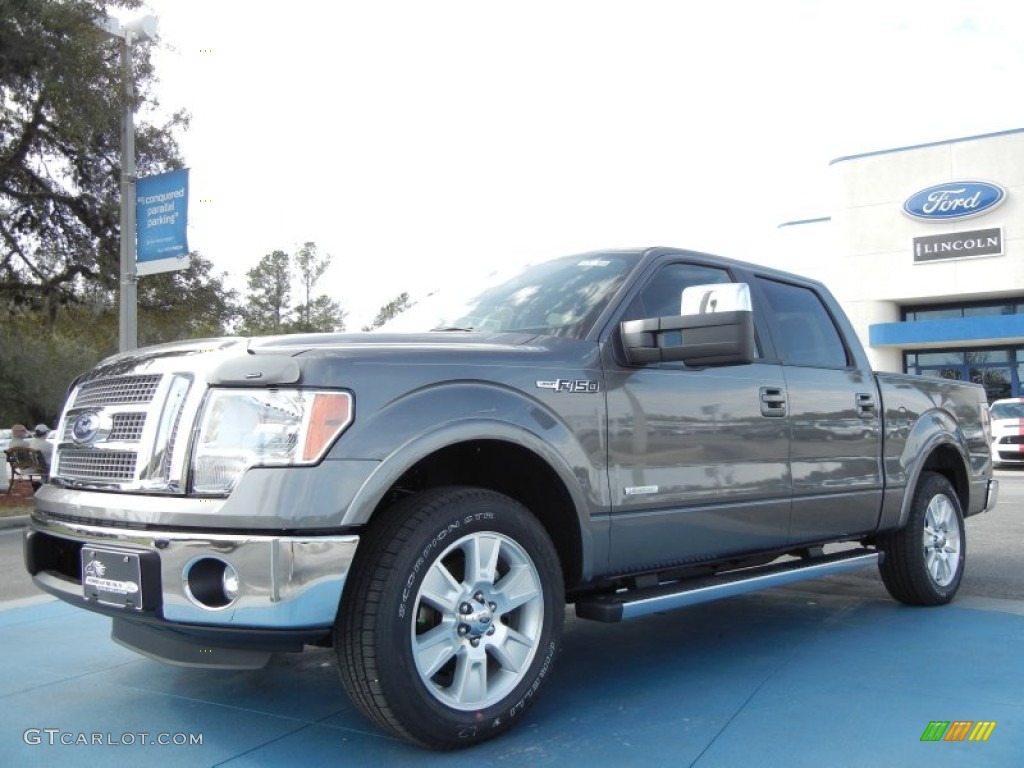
(105, 459)
(109, 466)
(127, 439)
(127, 427)
(120, 390)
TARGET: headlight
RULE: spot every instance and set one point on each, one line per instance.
(242, 428)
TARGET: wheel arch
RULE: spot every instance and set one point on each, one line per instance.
(946, 458)
(511, 461)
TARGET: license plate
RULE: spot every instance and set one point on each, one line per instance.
(112, 578)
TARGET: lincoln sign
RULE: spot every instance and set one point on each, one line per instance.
(959, 245)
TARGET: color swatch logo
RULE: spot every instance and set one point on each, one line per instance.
(958, 730)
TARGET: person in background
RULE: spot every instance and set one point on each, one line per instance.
(19, 437)
(40, 443)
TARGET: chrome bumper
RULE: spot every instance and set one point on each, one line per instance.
(284, 582)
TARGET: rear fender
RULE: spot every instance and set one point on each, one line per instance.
(936, 442)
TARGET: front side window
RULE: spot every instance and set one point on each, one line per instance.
(662, 296)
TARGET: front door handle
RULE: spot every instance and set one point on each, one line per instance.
(773, 401)
(867, 406)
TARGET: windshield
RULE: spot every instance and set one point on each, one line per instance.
(1007, 411)
(552, 298)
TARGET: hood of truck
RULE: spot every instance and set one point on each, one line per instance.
(313, 359)
(301, 343)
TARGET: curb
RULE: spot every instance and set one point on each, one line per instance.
(16, 521)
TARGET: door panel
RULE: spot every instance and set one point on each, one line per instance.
(697, 471)
(836, 452)
(835, 422)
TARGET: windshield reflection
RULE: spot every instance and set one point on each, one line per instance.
(553, 297)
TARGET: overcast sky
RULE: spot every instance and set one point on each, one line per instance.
(413, 139)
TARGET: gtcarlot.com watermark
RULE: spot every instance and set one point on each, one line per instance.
(58, 737)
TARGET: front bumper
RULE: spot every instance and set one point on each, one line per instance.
(287, 585)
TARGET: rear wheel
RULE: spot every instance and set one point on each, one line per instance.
(452, 617)
(924, 561)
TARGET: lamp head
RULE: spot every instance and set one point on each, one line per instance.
(138, 30)
(142, 28)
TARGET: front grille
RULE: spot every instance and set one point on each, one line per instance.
(103, 466)
(120, 390)
(126, 427)
(1012, 440)
(128, 437)
(1011, 456)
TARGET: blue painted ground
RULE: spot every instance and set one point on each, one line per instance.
(781, 678)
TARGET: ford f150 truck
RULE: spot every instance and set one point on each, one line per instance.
(628, 431)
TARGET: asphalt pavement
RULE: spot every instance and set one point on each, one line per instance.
(822, 673)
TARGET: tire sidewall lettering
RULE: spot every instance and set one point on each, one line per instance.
(436, 541)
(542, 672)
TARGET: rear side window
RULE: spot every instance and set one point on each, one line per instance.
(805, 333)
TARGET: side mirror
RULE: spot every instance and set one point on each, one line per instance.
(716, 327)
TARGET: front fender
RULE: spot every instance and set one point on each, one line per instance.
(425, 421)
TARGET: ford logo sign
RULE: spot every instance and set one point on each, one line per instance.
(954, 200)
(85, 428)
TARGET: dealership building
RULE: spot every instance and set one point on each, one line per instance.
(924, 248)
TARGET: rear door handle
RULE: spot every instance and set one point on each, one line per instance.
(773, 401)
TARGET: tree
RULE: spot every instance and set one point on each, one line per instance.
(268, 302)
(186, 304)
(394, 307)
(310, 265)
(37, 368)
(323, 316)
(61, 99)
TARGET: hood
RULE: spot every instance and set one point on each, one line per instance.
(301, 343)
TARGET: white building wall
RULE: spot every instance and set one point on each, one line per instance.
(864, 250)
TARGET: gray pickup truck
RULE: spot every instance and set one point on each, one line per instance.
(628, 431)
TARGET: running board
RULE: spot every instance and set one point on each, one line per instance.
(629, 604)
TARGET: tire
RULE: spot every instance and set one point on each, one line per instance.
(433, 649)
(924, 561)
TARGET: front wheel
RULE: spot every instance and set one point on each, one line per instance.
(924, 561)
(452, 617)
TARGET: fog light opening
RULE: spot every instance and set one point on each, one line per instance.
(211, 583)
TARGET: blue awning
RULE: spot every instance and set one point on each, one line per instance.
(957, 331)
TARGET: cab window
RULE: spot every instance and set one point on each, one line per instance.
(805, 333)
(661, 296)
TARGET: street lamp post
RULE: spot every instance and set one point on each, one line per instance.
(140, 30)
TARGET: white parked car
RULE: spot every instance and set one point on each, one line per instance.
(1007, 431)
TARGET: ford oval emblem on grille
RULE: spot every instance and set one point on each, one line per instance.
(85, 428)
(955, 200)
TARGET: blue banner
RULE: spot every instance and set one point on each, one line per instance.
(161, 215)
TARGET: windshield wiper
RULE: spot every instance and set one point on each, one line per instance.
(446, 328)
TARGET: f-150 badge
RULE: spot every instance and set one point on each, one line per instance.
(584, 386)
